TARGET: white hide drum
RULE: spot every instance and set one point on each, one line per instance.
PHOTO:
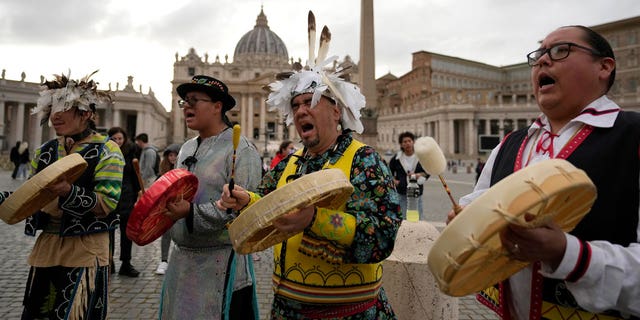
(33, 195)
(469, 255)
(253, 231)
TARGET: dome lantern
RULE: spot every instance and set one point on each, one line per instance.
(261, 45)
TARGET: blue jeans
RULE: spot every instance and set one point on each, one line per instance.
(403, 206)
(164, 246)
(23, 171)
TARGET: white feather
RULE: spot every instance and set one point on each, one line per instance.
(312, 38)
(315, 79)
(325, 39)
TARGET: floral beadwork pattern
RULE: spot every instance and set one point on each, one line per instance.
(374, 203)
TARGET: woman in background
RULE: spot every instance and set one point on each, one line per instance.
(23, 158)
(286, 148)
(128, 197)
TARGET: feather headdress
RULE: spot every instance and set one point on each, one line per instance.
(315, 79)
(62, 94)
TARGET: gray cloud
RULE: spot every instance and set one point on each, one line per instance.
(49, 22)
(497, 32)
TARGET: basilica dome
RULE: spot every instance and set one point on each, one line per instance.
(261, 44)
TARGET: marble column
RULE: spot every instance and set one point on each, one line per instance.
(37, 138)
(243, 115)
(116, 118)
(250, 114)
(2, 125)
(472, 137)
(140, 122)
(280, 127)
(263, 117)
(19, 128)
(5, 135)
(450, 134)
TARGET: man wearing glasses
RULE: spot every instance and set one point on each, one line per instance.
(205, 278)
(592, 271)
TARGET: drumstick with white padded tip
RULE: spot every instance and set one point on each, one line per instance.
(433, 161)
(236, 140)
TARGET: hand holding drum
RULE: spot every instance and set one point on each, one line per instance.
(254, 229)
(149, 219)
(39, 191)
(469, 255)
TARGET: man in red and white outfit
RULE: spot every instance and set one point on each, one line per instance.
(592, 272)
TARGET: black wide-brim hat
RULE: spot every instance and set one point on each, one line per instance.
(213, 87)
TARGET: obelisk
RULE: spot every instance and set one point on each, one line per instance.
(367, 72)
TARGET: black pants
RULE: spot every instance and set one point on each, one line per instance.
(124, 208)
(125, 242)
(15, 170)
(242, 304)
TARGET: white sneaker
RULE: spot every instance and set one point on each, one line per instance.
(162, 268)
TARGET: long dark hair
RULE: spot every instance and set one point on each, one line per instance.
(115, 130)
(127, 146)
(283, 146)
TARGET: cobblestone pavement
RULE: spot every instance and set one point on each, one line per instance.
(138, 298)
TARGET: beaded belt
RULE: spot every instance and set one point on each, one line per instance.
(336, 311)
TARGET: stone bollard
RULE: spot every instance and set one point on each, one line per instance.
(411, 288)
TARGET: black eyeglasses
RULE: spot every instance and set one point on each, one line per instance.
(557, 52)
(190, 101)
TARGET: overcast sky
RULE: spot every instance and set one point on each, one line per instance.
(140, 37)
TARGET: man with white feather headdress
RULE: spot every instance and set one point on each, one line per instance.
(335, 244)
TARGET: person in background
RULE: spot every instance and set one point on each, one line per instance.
(404, 164)
(169, 158)
(23, 158)
(128, 197)
(479, 167)
(148, 159)
(69, 273)
(590, 272)
(14, 156)
(206, 279)
(286, 148)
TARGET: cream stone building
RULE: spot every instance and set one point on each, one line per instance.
(469, 106)
(131, 109)
(259, 55)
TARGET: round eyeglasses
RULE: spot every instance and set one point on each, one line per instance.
(557, 52)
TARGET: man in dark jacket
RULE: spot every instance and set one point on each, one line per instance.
(405, 164)
(15, 159)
